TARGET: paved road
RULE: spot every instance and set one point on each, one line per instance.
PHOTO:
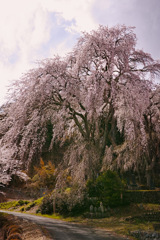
(60, 230)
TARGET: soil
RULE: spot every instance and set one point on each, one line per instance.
(30, 230)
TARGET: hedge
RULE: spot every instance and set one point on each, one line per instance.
(143, 196)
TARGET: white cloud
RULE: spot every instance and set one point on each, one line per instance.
(80, 10)
(26, 32)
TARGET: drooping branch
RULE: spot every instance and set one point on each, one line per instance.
(98, 93)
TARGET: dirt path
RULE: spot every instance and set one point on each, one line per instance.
(63, 230)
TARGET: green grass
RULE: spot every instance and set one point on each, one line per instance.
(21, 204)
(38, 201)
(54, 216)
(32, 204)
(9, 205)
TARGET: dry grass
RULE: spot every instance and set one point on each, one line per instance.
(117, 222)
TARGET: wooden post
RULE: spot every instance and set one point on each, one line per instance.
(54, 203)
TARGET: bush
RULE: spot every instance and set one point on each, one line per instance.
(22, 202)
(107, 188)
(30, 205)
(69, 201)
(73, 201)
(47, 205)
(143, 196)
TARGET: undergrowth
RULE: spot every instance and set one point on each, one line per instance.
(22, 205)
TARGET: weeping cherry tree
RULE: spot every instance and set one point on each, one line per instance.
(101, 98)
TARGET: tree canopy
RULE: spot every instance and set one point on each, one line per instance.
(101, 98)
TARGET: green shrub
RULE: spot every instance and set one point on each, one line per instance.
(23, 202)
(143, 196)
(29, 206)
(107, 188)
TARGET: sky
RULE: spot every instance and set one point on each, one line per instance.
(32, 30)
